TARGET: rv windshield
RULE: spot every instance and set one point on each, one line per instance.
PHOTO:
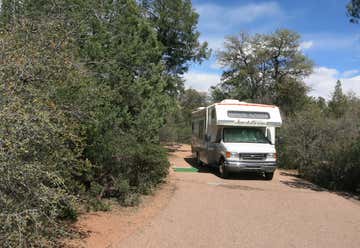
(244, 135)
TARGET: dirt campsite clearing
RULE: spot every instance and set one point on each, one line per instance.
(196, 208)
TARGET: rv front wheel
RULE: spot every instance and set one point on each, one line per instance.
(269, 175)
(222, 169)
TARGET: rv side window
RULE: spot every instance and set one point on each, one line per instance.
(195, 128)
(213, 116)
(201, 129)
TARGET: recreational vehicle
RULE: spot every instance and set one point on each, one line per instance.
(236, 136)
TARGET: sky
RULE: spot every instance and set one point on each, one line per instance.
(327, 37)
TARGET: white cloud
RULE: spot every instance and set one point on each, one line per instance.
(350, 73)
(215, 17)
(306, 45)
(352, 84)
(201, 81)
(331, 41)
(250, 12)
(216, 65)
(215, 43)
(323, 80)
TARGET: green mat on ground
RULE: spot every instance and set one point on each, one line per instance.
(185, 169)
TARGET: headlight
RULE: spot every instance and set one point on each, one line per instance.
(271, 155)
(232, 155)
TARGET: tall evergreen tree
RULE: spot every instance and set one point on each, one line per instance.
(120, 48)
(338, 102)
(353, 10)
(175, 22)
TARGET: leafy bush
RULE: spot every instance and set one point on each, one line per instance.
(40, 145)
(323, 148)
(84, 91)
(126, 168)
(35, 157)
(67, 137)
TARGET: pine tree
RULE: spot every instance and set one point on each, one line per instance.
(353, 10)
(338, 102)
(175, 22)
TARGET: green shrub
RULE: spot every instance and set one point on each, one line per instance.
(38, 155)
(323, 148)
(41, 144)
(126, 167)
(83, 94)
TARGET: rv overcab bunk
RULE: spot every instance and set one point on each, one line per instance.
(236, 136)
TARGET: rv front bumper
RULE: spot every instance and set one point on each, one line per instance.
(238, 166)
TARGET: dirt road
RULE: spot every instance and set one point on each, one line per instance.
(207, 211)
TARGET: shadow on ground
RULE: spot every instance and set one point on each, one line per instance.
(294, 181)
(301, 184)
(233, 176)
(171, 148)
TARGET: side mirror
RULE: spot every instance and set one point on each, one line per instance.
(280, 140)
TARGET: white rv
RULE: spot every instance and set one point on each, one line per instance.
(236, 136)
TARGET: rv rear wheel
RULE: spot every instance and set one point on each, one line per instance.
(198, 161)
(223, 170)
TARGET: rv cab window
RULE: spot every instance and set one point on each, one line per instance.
(244, 135)
(218, 136)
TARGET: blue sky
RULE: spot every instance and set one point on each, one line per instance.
(327, 37)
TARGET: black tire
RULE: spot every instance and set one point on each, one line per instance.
(198, 161)
(223, 171)
(269, 176)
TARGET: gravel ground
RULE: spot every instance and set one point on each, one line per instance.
(246, 211)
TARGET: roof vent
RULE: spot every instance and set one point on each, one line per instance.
(230, 101)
